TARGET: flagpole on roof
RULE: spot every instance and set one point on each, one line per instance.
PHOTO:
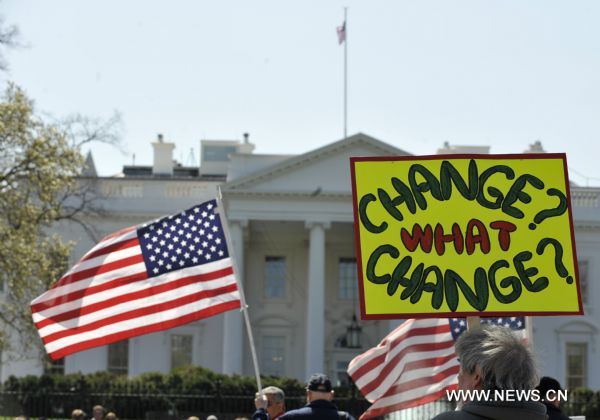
(342, 33)
(244, 306)
(345, 72)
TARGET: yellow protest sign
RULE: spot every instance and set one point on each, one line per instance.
(461, 235)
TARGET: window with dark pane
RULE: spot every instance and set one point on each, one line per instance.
(583, 279)
(275, 272)
(576, 365)
(273, 355)
(118, 357)
(54, 367)
(347, 279)
(181, 350)
(341, 373)
(217, 153)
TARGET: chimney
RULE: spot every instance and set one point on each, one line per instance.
(536, 147)
(246, 147)
(163, 157)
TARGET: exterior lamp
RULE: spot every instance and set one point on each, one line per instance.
(353, 333)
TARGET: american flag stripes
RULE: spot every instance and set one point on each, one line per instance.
(414, 364)
(140, 280)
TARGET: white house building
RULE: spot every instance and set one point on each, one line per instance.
(291, 221)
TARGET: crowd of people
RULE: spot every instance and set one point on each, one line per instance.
(492, 359)
(270, 404)
(98, 413)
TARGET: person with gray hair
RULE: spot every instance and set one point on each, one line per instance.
(497, 377)
(270, 405)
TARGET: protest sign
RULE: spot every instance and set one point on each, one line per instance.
(464, 235)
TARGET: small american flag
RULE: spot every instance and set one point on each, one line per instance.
(414, 365)
(341, 33)
(140, 280)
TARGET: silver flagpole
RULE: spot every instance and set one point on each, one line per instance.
(345, 72)
(244, 308)
(529, 332)
(473, 322)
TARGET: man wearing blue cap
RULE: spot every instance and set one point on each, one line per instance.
(319, 394)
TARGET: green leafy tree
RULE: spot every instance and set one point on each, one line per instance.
(42, 181)
(40, 185)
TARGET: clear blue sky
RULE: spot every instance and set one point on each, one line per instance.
(498, 73)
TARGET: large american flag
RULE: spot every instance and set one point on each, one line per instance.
(140, 280)
(414, 364)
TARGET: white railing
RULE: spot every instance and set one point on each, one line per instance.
(122, 189)
(185, 190)
(580, 196)
(585, 197)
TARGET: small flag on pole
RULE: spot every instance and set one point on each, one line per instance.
(341, 33)
(140, 280)
(414, 365)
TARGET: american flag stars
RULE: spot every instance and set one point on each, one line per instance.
(459, 325)
(190, 238)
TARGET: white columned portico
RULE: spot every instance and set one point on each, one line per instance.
(315, 310)
(233, 333)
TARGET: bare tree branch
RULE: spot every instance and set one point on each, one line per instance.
(81, 129)
(9, 38)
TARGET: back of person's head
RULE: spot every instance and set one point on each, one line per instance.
(319, 387)
(499, 356)
(546, 385)
(110, 416)
(277, 393)
(98, 412)
(78, 414)
(212, 417)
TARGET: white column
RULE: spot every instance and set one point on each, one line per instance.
(233, 334)
(394, 323)
(315, 306)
